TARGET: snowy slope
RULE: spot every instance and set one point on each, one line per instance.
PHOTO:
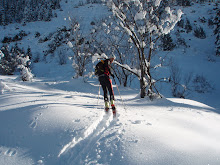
(198, 58)
(69, 12)
(195, 59)
(57, 120)
(46, 122)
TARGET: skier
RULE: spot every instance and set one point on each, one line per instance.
(103, 70)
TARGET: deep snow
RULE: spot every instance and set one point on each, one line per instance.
(52, 123)
(59, 120)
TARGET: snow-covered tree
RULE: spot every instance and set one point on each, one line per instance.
(145, 22)
(25, 71)
(109, 38)
(15, 60)
(1, 55)
(80, 46)
(8, 61)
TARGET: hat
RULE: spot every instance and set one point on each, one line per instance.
(112, 56)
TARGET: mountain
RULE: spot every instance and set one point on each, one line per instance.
(58, 119)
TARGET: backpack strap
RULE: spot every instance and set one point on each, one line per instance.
(103, 62)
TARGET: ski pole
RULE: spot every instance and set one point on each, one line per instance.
(119, 93)
(99, 93)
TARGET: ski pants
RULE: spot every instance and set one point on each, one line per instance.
(106, 84)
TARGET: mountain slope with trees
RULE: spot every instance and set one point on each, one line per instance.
(51, 110)
(75, 38)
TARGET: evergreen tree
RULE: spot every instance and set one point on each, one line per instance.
(14, 59)
(8, 62)
(181, 23)
(188, 26)
(217, 32)
(199, 33)
(27, 13)
(29, 53)
(167, 42)
(12, 11)
(184, 2)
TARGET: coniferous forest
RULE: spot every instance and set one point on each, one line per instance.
(23, 11)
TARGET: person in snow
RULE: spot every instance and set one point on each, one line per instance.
(106, 83)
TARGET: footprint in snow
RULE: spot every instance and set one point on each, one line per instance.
(10, 152)
(33, 124)
(148, 124)
(139, 122)
(77, 120)
(136, 122)
(170, 109)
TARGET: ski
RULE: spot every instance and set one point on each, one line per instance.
(114, 111)
(106, 109)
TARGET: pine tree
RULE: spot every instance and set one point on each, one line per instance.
(27, 10)
(2, 15)
(167, 42)
(29, 52)
(184, 2)
(199, 33)
(13, 60)
(217, 32)
(8, 62)
(188, 26)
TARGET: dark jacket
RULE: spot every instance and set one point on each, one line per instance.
(107, 67)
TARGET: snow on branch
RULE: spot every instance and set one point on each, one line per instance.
(170, 21)
(97, 56)
(140, 15)
(126, 67)
(144, 17)
(157, 3)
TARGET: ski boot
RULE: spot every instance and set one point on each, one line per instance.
(106, 106)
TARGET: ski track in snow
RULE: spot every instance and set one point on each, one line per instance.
(79, 147)
(74, 152)
(53, 122)
(84, 134)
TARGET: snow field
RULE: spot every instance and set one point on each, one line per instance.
(55, 120)
(43, 124)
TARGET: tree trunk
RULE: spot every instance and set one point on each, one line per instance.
(142, 86)
(150, 82)
(142, 79)
(142, 82)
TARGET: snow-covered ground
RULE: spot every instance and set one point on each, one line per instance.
(57, 120)
(48, 122)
